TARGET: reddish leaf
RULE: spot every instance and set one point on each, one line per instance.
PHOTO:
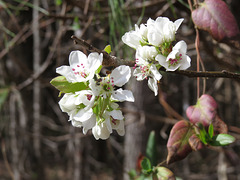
(178, 146)
(195, 143)
(219, 126)
(215, 17)
(139, 161)
(204, 111)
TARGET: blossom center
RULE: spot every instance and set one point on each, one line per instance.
(175, 61)
(89, 97)
(80, 70)
(107, 84)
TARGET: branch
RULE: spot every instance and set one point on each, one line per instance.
(109, 60)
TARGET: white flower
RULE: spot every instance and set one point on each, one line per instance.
(112, 120)
(82, 68)
(177, 59)
(135, 38)
(162, 30)
(145, 67)
(78, 105)
(100, 131)
(105, 86)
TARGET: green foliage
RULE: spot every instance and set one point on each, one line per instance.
(64, 86)
(58, 2)
(146, 166)
(3, 95)
(208, 138)
(76, 26)
(108, 49)
(151, 150)
(222, 140)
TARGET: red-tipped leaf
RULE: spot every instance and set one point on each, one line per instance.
(204, 111)
(178, 146)
(215, 17)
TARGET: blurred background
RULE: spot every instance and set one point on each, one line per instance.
(38, 142)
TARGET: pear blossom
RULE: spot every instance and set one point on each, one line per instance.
(112, 120)
(104, 87)
(135, 38)
(177, 59)
(79, 105)
(145, 67)
(162, 30)
(82, 68)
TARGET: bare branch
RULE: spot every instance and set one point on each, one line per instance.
(109, 60)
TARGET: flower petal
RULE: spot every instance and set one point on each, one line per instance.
(83, 115)
(186, 62)
(132, 39)
(152, 84)
(178, 22)
(181, 46)
(116, 114)
(155, 72)
(123, 95)
(89, 124)
(94, 61)
(76, 58)
(100, 131)
(66, 71)
(121, 75)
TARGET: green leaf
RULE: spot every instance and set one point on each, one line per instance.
(108, 49)
(64, 86)
(146, 166)
(58, 2)
(132, 174)
(222, 140)
(203, 136)
(76, 25)
(151, 150)
(210, 130)
(98, 70)
(3, 95)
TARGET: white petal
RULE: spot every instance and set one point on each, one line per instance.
(76, 123)
(116, 114)
(123, 95)
(66, 71)
(186, 63)
(100, 131)
(121, 130)
(138, 74)
(89, 124)
(76, 58)
(152, 84)
(83, 115)
(155, 72)
(121, 75)
(131, 39)
(155, 38)
(181, 46)
(178, 22)
(161, 60)
(95, 89)
(94, 61)
(67, 102)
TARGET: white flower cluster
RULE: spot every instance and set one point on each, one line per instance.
(95, 106)
(153, 44)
